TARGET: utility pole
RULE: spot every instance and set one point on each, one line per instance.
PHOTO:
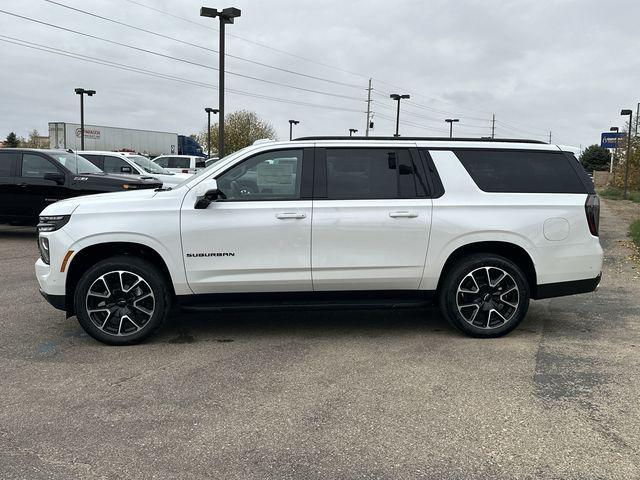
(549, 136)
(637, 117)
(614, 154)
(369, 108)
(451, 121)
(493, 126)
(628, 160)
(226, 16)
(352, 131)
(291, 124)
(82, 92)
(209, 112)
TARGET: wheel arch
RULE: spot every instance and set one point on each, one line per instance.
(94, 253)
(508, 250)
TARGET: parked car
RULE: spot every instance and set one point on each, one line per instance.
(479, 226)
(31, 179)
(134, 164)
(180, 163)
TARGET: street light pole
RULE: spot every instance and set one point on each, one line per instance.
(397, 97)
(451, 121)
(82, 92)
(615, 149)
(626, 167)
(291, 124)
(352, 131)
(226, 16)
(209, 112)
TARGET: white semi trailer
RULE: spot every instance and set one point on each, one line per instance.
(67, 136)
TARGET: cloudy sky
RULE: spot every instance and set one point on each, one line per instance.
(565, 66)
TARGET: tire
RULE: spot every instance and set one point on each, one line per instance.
(484, 295)
(122, 300)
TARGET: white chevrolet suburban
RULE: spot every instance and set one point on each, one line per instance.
(480, 226)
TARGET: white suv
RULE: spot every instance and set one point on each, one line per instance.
(180, 163)
(479, 226)
(134, 164)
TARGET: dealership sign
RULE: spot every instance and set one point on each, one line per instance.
(88, 133)
(611, 139)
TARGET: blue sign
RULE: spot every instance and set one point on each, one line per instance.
(611, 139)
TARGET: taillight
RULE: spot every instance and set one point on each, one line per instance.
(592, 209)
(185, 171)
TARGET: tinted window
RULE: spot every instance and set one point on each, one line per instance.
(521, 171)
(35, 166)
(267, 176)
(115, 165)
(6, 162)
(362, 173)
(75, 163)
(179, 162)
(200, 163)
(95, 159)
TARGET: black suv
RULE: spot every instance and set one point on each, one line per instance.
(32, 179)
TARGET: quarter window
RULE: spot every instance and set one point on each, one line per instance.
(179, 162)
(521, 171)
(268, 176)
(35, 166)
(6, 162)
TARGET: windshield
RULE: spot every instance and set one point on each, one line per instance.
(76, 163)
(206, 170)
(147, 165)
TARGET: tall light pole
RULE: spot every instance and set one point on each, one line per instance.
(626, 167)
(82, 92)
(397, 97)
(352, 131)
(226, 16)
(451, 121)
(615, 150)
(209, 111)
(291, 124)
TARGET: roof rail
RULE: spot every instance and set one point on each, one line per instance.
(440, 139)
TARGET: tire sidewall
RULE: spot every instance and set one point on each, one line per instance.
(140, 267)
(459, 271)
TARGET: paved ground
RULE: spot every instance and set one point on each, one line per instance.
(337, 394)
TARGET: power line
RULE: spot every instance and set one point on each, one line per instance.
(170, 57)
(184, 42)
(78, 56)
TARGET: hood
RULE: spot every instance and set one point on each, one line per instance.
(66, 207)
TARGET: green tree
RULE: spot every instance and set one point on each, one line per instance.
(241, 129)
(594, 157)
(12, 141)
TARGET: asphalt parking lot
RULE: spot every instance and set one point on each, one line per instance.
(329, 394)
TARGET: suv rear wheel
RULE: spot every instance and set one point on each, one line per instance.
(485, 295)
(122, 300)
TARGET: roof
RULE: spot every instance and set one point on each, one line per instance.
(430, 139)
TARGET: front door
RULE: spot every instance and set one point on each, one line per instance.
(371, 219)
(258, 237)
(35, 190)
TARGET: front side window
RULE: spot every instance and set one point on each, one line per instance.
(35, 166)
(116, 165)
(268, 176)
(75, 163)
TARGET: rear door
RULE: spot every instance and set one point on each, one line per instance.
(35, 189)
(371, 219)
(8, 187)
(116, 164)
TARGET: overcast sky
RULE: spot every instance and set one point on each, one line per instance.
(566, 66)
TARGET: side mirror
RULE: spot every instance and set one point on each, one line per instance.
(126, 170)
(206, 193)
(55, 177)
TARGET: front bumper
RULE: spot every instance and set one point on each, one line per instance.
(56, 301)
(561, 289)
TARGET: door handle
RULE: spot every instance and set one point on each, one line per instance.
(287, 215)
(403, 214)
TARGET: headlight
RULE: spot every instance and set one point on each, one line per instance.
(52, 223)
(43, 246)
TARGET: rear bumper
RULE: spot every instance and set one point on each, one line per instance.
(56, 301)
(561, 289)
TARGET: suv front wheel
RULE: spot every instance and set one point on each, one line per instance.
(122, 300)
(484, 295)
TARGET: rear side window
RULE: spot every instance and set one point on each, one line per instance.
(370, 173)
(6, 163)
(179, 162)
(519, 171)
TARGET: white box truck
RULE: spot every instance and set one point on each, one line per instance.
(96, 137)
